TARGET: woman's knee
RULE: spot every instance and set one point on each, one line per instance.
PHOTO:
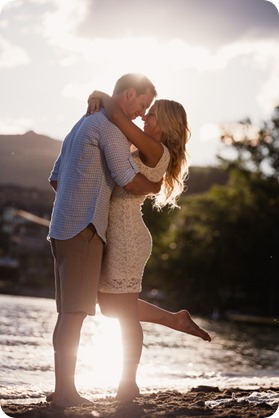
(118, 305)
(106, 305)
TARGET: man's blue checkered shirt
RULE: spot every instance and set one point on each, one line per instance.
(94, 156)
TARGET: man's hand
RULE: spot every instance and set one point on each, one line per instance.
(157, 186)
(140, 185)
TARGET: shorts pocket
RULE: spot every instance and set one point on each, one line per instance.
(88, 233)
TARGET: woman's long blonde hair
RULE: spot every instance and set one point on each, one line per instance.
(172, 119)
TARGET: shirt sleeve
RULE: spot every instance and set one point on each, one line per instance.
(117, 153)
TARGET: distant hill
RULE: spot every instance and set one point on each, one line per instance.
(27, 160)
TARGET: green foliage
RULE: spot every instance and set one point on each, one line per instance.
(257, 149)
(202, 178)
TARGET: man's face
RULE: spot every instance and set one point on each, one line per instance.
(137, 105)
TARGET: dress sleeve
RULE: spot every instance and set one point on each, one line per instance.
(156, 173)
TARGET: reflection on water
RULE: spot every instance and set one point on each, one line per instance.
(238, 355)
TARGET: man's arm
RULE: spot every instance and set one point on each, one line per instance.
(140, 185)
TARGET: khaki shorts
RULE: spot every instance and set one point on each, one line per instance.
(77, 268)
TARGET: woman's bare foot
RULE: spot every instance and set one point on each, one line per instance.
(66, 401)
(127, 391)
(182, 321)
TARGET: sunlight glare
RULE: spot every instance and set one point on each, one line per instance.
(3, 3)
(209, 131)
(101, 353)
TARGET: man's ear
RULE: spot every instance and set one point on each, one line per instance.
(131, 93)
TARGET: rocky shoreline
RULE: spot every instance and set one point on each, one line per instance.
(199, 402)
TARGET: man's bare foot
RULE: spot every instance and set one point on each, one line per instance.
(66, 401)
(49, 397)
(127, 392)
(183, 322)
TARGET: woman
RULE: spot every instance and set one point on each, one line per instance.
(160, 154)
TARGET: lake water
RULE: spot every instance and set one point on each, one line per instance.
(238, 356)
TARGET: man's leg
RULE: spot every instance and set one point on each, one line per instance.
(77, 270)
(65, 342)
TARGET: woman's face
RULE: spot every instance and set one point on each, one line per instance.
(151, 126)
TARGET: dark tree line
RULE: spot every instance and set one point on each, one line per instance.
(221, 249)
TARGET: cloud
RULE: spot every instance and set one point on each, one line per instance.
(86, 30)
(153, 56)
(186, 46)
(77, 91)
(12, 55)
(60, 21)
(170, 55)
(213, 23)
(8, 126)
(3, 3)
(268, 96)
(275, 2)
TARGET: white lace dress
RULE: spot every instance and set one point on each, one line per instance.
(129, 241)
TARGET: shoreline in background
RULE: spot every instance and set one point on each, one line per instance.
(49, 293)
(44, 292)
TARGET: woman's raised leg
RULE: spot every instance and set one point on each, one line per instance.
(180, 321)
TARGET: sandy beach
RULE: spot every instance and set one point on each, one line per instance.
(202, 401)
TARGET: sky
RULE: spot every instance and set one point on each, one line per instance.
(219, 58)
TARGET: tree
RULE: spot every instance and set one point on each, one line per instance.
(257, 149)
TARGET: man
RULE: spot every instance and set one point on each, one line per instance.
(94, 157)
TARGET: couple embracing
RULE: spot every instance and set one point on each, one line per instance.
(107, 167)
